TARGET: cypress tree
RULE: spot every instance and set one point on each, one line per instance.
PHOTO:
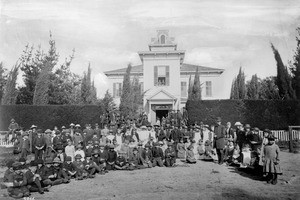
(196, 91)
(125, 100)
(238, 87)
(190, 87)
(283, 80)
(296, 67)
(253, 88)
(10, 91)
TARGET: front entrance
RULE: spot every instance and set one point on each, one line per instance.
(161, 113)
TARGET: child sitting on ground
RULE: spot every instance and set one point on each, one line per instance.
(80, 151)
(69, 168)
(190, 157)
(201, 149)
(80, 170)
(121, 162)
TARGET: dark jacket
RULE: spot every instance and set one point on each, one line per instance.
(219, 136)
(157, 153)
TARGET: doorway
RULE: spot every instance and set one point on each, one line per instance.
(161, 113)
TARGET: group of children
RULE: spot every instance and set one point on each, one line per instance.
(81, 154)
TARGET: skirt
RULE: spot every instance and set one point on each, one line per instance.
(271, 167)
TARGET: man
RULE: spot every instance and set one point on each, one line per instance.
(255, 139)
(240, 135)
(230, 135)
(219, 131)
(13, 126)
(72, 132)
(157, 155)
(24, 146)
(58, 140)
(248, 133)
(170, 156)
(39, 144)
(97, 130)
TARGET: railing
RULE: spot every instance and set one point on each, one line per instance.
(283, 135)
(3, 142)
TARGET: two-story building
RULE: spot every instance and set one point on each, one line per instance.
(164, 77)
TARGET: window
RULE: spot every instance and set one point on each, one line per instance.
(161, 75)
(117, 90)
(208, 87)
(183, 89)
(162, 39)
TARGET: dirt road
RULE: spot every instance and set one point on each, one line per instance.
(204, 180)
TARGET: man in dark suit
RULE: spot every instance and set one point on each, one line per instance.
(219, 140)
(24, 146)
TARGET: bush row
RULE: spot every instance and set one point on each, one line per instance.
(272, 114)
(49, 116)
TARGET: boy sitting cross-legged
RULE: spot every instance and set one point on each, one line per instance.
(121, 161)
(69, 168)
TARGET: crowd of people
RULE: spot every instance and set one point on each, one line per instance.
(80, 153)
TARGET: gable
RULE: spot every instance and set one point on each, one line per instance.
(162, 95)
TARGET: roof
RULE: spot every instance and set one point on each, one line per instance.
(185, 68)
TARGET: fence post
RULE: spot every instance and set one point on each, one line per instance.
(291, 139)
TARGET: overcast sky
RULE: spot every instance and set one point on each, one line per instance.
(222, 34)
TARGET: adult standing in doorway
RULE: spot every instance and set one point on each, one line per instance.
(219, 131)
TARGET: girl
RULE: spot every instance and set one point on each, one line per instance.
(70, 150)
(263, 144)
(181, 149)
(270, 159)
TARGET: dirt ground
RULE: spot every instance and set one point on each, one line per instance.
(204, 180)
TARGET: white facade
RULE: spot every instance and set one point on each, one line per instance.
(164, 77)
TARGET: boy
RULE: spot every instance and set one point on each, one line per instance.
(103, 156)
(60, 154)
(57, 165)
(111, 158)
(99, 164)
(147, 156)
(121, 162)
(77, 138)
(89, 166)
(34, 180)
(18, 189)
(49, 176)
(69, 168)
(80, 151)
(24, 146)
(9, 173)
(135, 160)
(89, 148)
(80, 171)
(170, 156)
(96, 145)
(39, 144)
(158, 155)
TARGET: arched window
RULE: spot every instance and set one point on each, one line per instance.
(162, 39)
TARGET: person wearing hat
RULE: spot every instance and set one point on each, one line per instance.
(78, 129)
(181, 149)
(80, 151)
(33, 131)
(248, 133)
(152, 133)
(103, 156)
(69, 168)
(72, 129)
(58, 140)
(89, 148)
(70, 150)
(270, 159)
(147, 156)
(162, 134)
(17, 188)
(61, 174)
(157, 155)
(90, 166)
(77, 138)
(219, 133)
(125, 147)
(48, 137)
(39, 144)
(170, 156)
(8, 174)
(79, 166)
(98, 163)
(104, 131)
(135, 161)
(97, 130)
(190, 157)
(33, 179)
(49, 177)
(95, 137)
(13, 126)
(61, 155)
(24, 145)
(121, 161)
(240, 135)
(111, 157)
(254, 139)
(230, 134)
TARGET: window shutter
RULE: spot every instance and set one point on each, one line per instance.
(120, 89)
(114, 89)
(155, 75)
(167, 76)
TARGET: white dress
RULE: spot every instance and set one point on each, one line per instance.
(197, 136)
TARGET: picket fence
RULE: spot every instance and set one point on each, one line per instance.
(281, 135)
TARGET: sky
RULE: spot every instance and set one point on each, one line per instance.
(226, 34)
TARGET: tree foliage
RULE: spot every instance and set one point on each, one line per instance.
(238, 88)
(196, 91)
(3, 79)
(10, 91)
(253, 88)
(88, 90)
(126, 98)
(268, 89)
(295, 67)
(190, 88)
(283, 80)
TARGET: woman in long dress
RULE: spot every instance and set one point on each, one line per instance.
(181, 147)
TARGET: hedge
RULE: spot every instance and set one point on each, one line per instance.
(49, 116)
(272, 114)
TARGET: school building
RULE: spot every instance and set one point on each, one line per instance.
(164, 77)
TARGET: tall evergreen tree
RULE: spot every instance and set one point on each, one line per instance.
(41, 96)
(196, 91)
(253, 88)
(296, 67)
(283, 80)
(268, 89)
(190, 87)
(238, 87)
(88, 90)
(126, 98)
(10, 91)
(3, 78)
(137, 96)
